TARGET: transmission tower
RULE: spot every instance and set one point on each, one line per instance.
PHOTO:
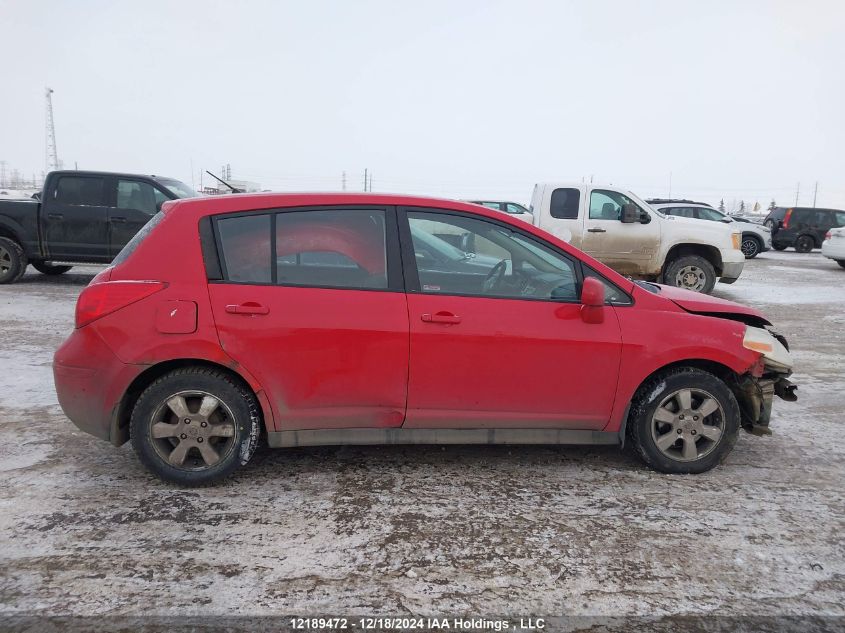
(52, 156)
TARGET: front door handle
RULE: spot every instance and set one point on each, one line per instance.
(55, 216)
(250, 307)
(441, 317)
(596, 230)
(118, 219)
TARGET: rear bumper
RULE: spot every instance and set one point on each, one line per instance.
(731, 271)
(90, 383)
(833, 249)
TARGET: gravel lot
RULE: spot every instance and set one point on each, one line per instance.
(529, 530)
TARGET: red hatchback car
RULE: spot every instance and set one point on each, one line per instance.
(311, 319)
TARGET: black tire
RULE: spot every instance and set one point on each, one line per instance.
(13, 261)
(779, 247)
(236, 412)
(644, 430)
(50, 269)
(841, 262)
(805, 244)
(751, 246)
(691, 267)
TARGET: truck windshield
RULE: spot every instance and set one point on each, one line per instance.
(178, 189)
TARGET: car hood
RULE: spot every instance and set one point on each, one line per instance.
(699, 303)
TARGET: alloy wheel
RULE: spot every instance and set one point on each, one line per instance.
(5, 261)
(691, 278)
(193, 430)
(688, 424)
(750, 247)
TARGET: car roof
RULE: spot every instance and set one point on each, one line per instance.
(233, 203)
(666, 202)
(89, 172)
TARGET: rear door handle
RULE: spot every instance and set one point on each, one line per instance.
(595, 230)
(250, 307)
(441, 317)
(118, 219)
(55, 216)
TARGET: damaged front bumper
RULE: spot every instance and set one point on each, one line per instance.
(755, 396)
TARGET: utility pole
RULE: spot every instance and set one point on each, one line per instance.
(343, 181)
(52, 157)
(670, 184)
(365, 178)
(797, 190)
(815, 192)
(2, 173)
(371, 183)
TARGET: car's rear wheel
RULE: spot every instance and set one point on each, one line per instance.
(751, 246)
(804, 244)
(195, 426)
(50, 269)
(692, 272)
(685, 420)
(13, 261)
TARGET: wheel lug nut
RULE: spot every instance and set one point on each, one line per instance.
(183, 436)
(693, 431)
(187, 421)
(199, 439)
(680, 431)
(681, 417)
(204, 424)
(695, 417)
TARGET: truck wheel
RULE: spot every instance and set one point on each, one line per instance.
(684, 420)
(13, 261)
(692, 272)
(779, 247)
(195, 426)
(50, 269)
(751, 246)
(804, 244)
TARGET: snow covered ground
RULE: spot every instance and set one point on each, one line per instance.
(519, 530)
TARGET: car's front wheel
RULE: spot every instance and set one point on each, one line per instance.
(685, 420)
(195, 426)
(50, 269)
(751, 246)
(692, 272)
(841, 262)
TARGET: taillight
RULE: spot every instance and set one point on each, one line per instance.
(786, 218)
(828, 235)
(100, 299)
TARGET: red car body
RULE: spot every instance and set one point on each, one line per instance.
(324, 360)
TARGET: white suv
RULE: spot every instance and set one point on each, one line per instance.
(756, 238)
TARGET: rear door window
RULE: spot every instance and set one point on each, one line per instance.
(87, 191)
(565, 203)
(245, 245)
(138, 196)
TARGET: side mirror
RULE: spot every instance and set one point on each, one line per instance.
(630, 213)
(467, 243)
(592, 301)
(727, 220)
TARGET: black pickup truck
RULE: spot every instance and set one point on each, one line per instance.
(81, 217)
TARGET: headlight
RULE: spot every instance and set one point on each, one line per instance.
(760, 340)
(736, 239)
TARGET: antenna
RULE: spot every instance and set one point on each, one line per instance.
(52, 156)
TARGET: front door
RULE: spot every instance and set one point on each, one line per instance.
(73, 219)
(312, 305)
(497, 340)
(631, 248)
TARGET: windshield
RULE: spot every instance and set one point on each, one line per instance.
(178, 189)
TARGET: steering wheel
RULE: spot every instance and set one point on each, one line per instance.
(494, 276)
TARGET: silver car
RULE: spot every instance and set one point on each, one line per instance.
(756, 238)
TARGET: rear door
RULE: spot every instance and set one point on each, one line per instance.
(313, 305)
(74, 218)
(136, 202)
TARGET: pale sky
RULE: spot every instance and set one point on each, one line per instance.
(736, 99)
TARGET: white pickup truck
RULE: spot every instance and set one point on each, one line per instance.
(619, 229)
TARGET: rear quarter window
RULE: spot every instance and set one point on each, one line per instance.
(565, 203)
